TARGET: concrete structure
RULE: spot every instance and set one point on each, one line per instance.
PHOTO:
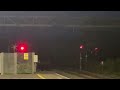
(15, 63)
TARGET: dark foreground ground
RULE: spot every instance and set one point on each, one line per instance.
(52, 75)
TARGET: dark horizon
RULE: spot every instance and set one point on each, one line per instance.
(42, 41)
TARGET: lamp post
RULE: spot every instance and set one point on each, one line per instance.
(80, 61)
(81, 47)
(86, 57)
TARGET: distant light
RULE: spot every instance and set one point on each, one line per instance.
(96, 48)
(81, 46)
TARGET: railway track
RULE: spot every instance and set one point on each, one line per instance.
(83, 75)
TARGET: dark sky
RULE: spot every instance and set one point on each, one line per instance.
(42, 40)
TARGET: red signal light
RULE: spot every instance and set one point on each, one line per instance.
(81, 46)
(96, 48)
(22, 48)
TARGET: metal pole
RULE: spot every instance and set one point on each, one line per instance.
(102, 68)
(8, 49)
(2, 63)
(14, 48)
(80, 62)
(86, 59)
(102, 65)
(86, 56)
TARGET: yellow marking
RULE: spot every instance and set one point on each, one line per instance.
(25, 56)
(40, 76)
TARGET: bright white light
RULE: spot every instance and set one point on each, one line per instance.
(22, 48)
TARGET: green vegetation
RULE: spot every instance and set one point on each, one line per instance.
(111, 67)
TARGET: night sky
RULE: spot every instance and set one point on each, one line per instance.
(45, 41)
(60, 43)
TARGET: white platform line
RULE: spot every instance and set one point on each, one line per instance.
(62, 76)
